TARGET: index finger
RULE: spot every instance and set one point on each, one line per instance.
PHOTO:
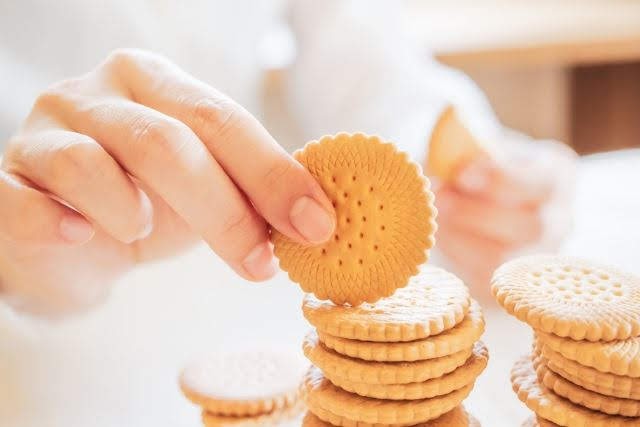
(281, 189)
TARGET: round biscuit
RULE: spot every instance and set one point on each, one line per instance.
(589, 378)
(336, 366)
(570, 297)
(617, 357)
(584, 397)
(385, 221)
(322, 396)
(546, 404)
(433, 302)
(538, 422)
(244, 383)
(457, 417)
(272, 419)
(439, 386)
(448, 342)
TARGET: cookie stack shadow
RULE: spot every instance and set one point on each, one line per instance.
(406, 360)
(584, 368)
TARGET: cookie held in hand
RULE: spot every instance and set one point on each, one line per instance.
(385, 221)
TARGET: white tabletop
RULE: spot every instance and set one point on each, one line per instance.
(118, 365)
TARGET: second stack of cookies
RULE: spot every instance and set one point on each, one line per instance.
(585, 365)
(404, 360)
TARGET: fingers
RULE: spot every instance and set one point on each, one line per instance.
(477, 257)
(281, 190)
(168, 157)
(514, 183)
(77, 170)
(516, 225)
(29, 216)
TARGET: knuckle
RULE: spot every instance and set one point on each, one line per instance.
(59, 94)
(158, 137)
(126, 59)
(76, 163)
(26, 225)
(276, 175)
(235, 229)
(13, 151)
(122, 58)
(215, 117)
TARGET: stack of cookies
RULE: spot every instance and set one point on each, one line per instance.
(584, 369)
(253, 388)
(404, 360)
(393, 345)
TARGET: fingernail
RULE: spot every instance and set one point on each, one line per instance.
(473, 178)
(147, 208)
(311, 220)
(75, 229)
(260, 263)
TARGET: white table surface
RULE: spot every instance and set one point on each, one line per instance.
(118, 365)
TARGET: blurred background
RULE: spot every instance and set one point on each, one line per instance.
(552, 69)
(565, 70)
(562, 70)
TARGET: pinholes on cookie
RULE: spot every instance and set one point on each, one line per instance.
(570, 297)
(385, 221)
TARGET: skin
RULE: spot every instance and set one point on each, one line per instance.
(497, 207)
(136, 161)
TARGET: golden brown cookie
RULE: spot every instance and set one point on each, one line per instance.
(589, 378)
(445, 384)
(552, 407)
(336, 366)
(457, 417)
(583, 397)
(272, 419)
(323, 397)
(570, 297)
(448, 342)
(432, 302)
(385, 221)
(616, 357)
(244, 383)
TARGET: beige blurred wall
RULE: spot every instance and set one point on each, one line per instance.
(554, 69)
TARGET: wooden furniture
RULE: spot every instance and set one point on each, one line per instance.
(563, 70)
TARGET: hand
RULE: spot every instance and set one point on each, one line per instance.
(496, 207)
(135, 161)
